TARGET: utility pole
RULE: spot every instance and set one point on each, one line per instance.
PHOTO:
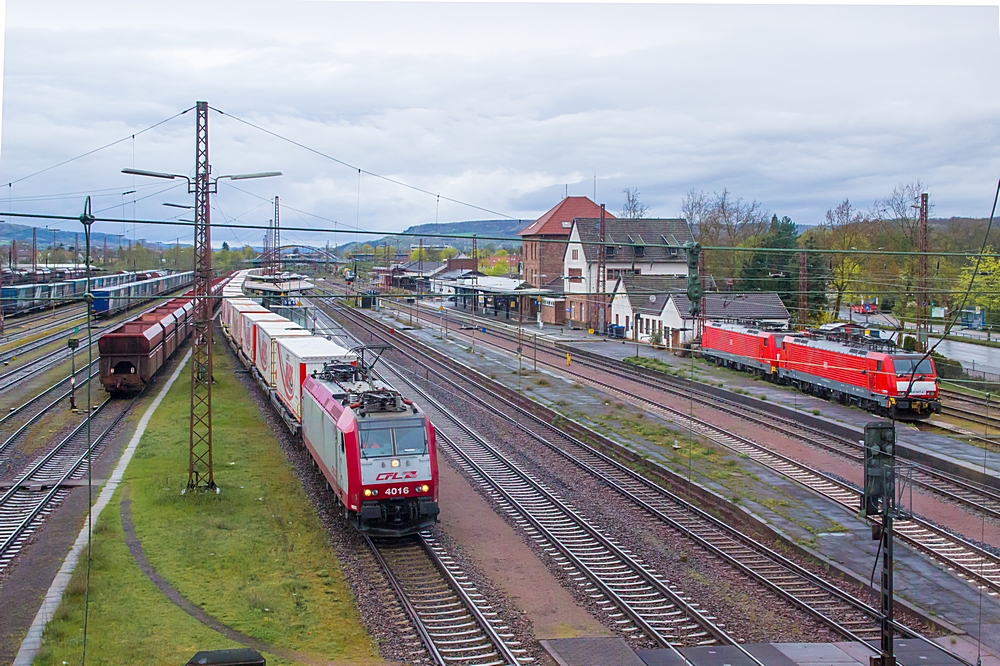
(34, 250)
(200, 469)
(328, 257)
(475, 294)
(923, 295)
(104, 257)
(76, 249)
(803, 290)
(277, 233)
(602, 283)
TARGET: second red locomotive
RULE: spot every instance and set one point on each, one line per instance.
(897, 384)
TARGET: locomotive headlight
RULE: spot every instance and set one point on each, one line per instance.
(395, 462)
(368, 492)
(424, 488)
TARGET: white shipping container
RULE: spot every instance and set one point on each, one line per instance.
(248, 345)
(235, 312)
(266, 357)
(297, 359)
(228, 308)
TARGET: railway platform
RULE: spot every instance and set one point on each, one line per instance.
(615, 652)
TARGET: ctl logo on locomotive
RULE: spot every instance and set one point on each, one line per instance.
(396, 476)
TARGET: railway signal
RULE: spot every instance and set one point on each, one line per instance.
(694, 289)
(880, 500)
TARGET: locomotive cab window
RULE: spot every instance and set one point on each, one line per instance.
(411, 441)
(376, 442)
(905, 366)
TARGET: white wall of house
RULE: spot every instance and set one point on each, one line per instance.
(575, 263)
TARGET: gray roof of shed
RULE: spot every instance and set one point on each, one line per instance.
(639, 288)
(625, 233)
(756, 305)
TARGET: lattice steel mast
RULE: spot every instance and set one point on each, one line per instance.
(200, 471)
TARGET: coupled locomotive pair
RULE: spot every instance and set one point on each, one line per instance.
(887, 382)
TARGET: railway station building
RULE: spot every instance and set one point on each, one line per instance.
(543, 242)
(646, 247)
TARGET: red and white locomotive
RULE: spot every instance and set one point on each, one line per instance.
(375, 448)
(883, 381)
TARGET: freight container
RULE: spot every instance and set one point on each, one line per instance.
(235, 318)
(298, 357)
(266, 357)
(248, 344)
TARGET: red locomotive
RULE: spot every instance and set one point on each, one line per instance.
(375, 448)
(900, 385)
(133, 351)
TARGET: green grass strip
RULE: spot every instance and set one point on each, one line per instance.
(255, 556)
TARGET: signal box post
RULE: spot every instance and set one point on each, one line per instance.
(880, 501)
(694, 289)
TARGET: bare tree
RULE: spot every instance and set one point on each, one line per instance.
(846, 229)
(693, 209)
(900, 210)
(633, 208)
(720, 219)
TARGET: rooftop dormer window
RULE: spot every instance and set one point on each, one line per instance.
(640, 251)
(609, 251)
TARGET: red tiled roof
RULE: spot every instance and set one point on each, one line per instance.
(567, 210)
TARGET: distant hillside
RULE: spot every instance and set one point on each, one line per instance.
(504, 229)
(22, 234)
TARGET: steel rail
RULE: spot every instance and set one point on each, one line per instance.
(17, 517)
(644, 596)
(14, 411)
(962, 491)
(27, 424)
(655, 499)
(451, 624)
(39, 342)
(823, 584)
(615, 576)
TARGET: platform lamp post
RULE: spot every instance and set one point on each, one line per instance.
(200, 466)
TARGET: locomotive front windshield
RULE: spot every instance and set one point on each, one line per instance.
(905, 366)
(404, 439)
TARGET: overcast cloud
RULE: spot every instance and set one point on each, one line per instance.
(501, 105)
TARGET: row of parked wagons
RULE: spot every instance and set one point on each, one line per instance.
(133, 351)
(117, 292)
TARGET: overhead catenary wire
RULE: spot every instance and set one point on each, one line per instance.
(360, 170)
(128, 136)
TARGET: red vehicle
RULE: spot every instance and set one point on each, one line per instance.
(133, 351)
(865, 308)
(742, 348)
(375, 448)
(891, 383)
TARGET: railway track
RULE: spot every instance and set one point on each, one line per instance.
(453, 621)
(39, 342)
(966, 559)
(39, 365)
(40, 488)
(35, 408)
(17, 326)
(634, 597)
(973, 496)
(851, 618)
(972, 409)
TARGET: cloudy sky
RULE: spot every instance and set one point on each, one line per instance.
(499, 105)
